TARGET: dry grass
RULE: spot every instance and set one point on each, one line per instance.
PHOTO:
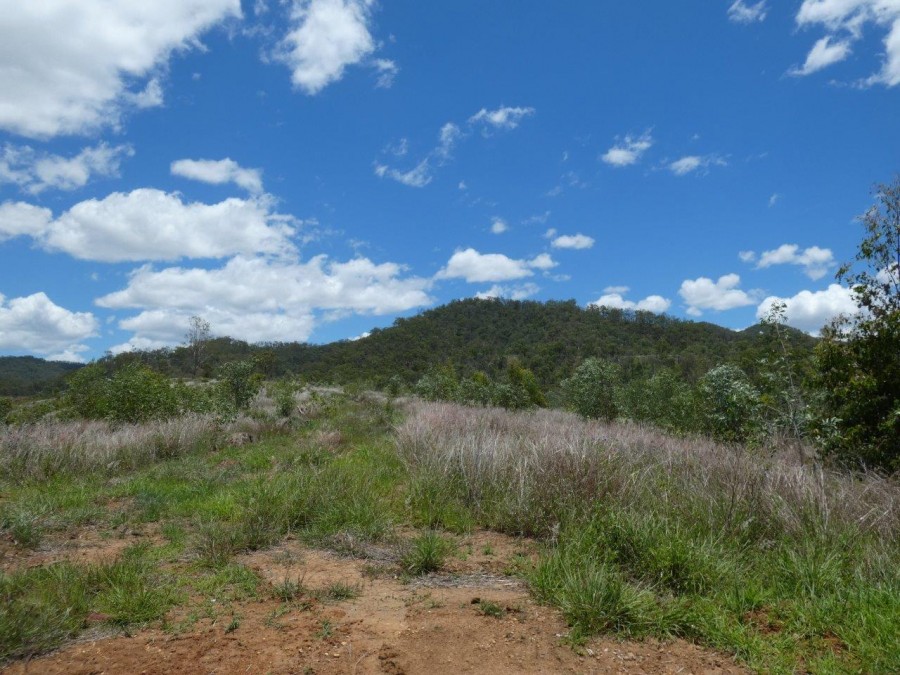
(540, 464)
(47, 448)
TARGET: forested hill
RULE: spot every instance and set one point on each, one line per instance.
(550, 338)
(25, 375)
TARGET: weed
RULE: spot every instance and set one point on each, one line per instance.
(492, 609)
(288, 589)
(426, 553)
(326, 630)
(340, 591)
(234, 624)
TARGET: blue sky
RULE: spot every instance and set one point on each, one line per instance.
(310, 169)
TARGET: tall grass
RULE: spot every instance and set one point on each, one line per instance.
(48, 448)
(788, 565)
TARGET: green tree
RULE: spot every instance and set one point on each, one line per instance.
(782, 371)
(592, 391)
(859, 357)
(729, 404)
(239, 383)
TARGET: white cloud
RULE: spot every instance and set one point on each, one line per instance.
(499, 226)
(19, 219)
(620, 290)
(576, 241)
(747, 256)
(811, 310)
(692, 163)
(774, 199)
(149, 224)
(34, 171)
(35, 324)
(815, 261)
(629, 150)
(652, 303)
(519, 292)
(253, 299)
(387, 73)
(71, 68)
(704, 293)
(219, 172)
(741, 12)
(823, 54)
(502, 118)
(421, 174)
(476, 267)
(845, 20)
(326, 37)
(538, 219)
(543, 262)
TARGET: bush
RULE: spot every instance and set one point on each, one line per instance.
(283, 392)
(592, 389)
(729, 404)
(133, 394)
(5, 408)
(239, 383)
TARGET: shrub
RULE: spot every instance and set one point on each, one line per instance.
(729, 404)
(131, 395)
(591, 391)
(239, 383)
(5, 408)
(283, 392)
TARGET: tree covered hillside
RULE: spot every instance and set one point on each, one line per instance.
(26, 375)
(550, 339)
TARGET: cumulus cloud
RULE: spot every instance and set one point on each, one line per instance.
(652, 303)
(36, 324)
(704, 293)
(503, 117)
(476, 267)
(71, 68)
(326, 37)
(816, 262)
(574, 241)
(747, 256)
(253, 298)
(148, 224)
(692, 163)
(844, 22)
(810, 310)
(741, 12)
(629, 150)
(33, 171)
(517, 292)
(499, 226)
(219, 172)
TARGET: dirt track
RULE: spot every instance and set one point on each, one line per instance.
(438, 624)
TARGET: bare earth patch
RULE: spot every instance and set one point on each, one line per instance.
(81, 546)
(468, 619)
